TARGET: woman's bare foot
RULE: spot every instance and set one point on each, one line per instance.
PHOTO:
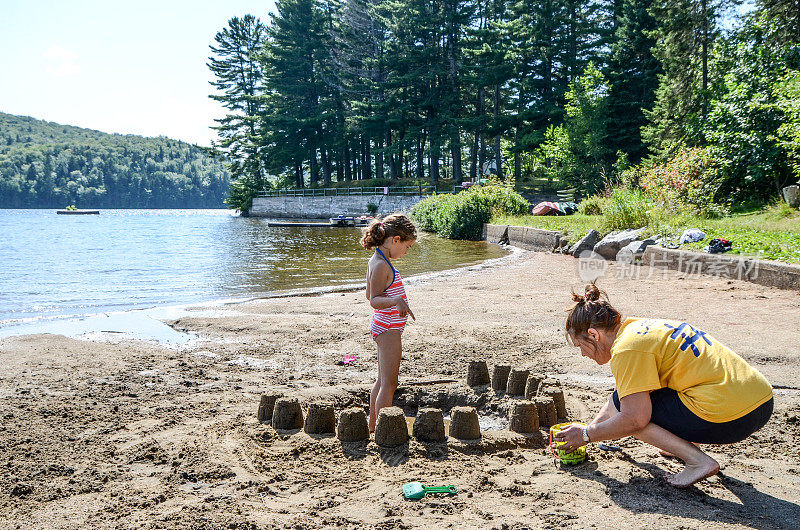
(694, 472)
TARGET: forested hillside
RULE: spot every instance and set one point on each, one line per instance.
(47, 165)
(571, 90)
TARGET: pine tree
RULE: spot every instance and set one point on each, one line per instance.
(237, 70)
(687, 30)
(633, 77)
(298, 101)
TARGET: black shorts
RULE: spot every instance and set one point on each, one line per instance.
(670, 413)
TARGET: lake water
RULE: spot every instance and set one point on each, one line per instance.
(53, 267)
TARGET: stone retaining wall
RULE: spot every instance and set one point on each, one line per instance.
(525, 237)
(326, 207)
(734, 266)
(762, 272)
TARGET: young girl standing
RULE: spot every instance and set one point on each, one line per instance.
(391, 238)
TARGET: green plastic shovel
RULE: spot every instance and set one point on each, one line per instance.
(415, 490)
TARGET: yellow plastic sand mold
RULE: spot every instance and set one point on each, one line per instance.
(576, 456)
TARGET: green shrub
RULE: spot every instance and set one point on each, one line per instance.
(462, 215)
(687, 179)
(424, 212)
(594, 205)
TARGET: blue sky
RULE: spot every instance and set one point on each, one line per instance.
(128, 67)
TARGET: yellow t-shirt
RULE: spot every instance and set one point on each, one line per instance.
(711, 380)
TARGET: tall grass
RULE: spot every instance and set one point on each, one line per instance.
(628, 208)
(594, 205)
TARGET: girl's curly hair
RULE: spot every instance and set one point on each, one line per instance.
(393, 225)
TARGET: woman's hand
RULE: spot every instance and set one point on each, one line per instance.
(402, 307)
(572, 436)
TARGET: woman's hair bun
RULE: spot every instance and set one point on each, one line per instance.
(590, 311)
(592, 293)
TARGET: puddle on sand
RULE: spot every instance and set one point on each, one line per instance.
(107, 327)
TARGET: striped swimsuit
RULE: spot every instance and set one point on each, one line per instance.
(386, 319)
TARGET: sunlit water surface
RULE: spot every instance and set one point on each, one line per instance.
(57, 266)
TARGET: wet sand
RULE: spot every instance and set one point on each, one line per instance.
(124, 434)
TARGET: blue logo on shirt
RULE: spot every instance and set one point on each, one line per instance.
(682, 331)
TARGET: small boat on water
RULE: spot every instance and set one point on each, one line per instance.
(78, 212)
(345, 220)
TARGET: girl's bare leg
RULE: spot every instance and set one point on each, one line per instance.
(698, 464)
(373, 413)
(389, 353)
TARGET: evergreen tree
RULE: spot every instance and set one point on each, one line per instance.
(686, 32)
(632, 76)
(238, 76)
(298, 101)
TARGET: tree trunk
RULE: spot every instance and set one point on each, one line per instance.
(473, 159)
(497, 154)
(326, 168)
(348, 175)
(420, 157)
(313, 168)
(402, 166)
(298, 175)
(481, 132)
(434, 162)
(704, 52)
(367, 158)
(392, 163)
(379, 160)
(455, 153)
(356, 156)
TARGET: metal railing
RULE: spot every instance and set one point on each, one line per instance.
(404, 191)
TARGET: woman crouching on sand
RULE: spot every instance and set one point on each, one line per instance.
(676, 386)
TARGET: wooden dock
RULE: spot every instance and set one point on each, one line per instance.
(341, 221)
(297, 224)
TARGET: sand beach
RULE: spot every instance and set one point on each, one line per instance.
(118, 433)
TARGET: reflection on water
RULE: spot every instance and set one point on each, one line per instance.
(54, 266)
(283, 258)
